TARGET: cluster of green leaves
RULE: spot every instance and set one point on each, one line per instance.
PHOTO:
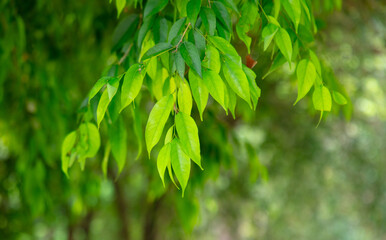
(191, 57)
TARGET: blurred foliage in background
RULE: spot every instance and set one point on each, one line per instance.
(279, 178)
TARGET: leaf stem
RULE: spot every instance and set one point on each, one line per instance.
(125, 55)
(183, 35)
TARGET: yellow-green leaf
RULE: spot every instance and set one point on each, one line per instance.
(188, 134)
(306, 74)
(215, 86)
(180, 163)
(199, 91)
(163, 160)
(157, 120)
(185, 98)
(283, 42)
(339, 98)
(132, 84)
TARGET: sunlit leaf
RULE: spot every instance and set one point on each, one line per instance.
(188, 134)
(185, 101)
(199, 91)
(156, 122)
(132, 84)
(306, 74)
(180, 163)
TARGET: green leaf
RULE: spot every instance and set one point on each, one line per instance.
(157, 120)
(306, 74)
(176, 29)
(208, 19)
(268, 34)
(222, 15)
(255, 90)
(225, 48)
(230, 4)
(160, 30)
(283, 42)
(215, 86)
(169, 135)
(180, 64)
(188, 134)
(212, 59)
(120, 4)
(294, 10)
(124, 31)
(154, 6)
(277, 62)
(191, 56)
(316, 62)
(185, 101)
(105, 160)
(232, 100)
(192, 10)
(67, 146)
(236, 79)
(199, 42)
(157, 50)
(199, 91)
(102, 107)
(321, 98)
(249, 15)
(180, 163)
(89, 141)
(107, 96)
(147, 24)
(118, 141)
(132, 84)
(339, 98)
(137, 121)
(97, 87)
(163, 160)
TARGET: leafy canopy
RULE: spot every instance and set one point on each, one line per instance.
(182, 52)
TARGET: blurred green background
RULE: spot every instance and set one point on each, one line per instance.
(276, 177)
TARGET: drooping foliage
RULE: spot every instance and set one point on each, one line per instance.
(179, 52)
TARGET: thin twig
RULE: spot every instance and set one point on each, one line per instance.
(125, 55)
(183, 35)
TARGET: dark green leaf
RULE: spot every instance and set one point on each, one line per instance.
(157, 50)
(180, 64)
(208, 19)
(118, 141)
(154, 6)
(124, 31)
(176, 29)
(222, 15)
(192, 10)
(191, 56)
